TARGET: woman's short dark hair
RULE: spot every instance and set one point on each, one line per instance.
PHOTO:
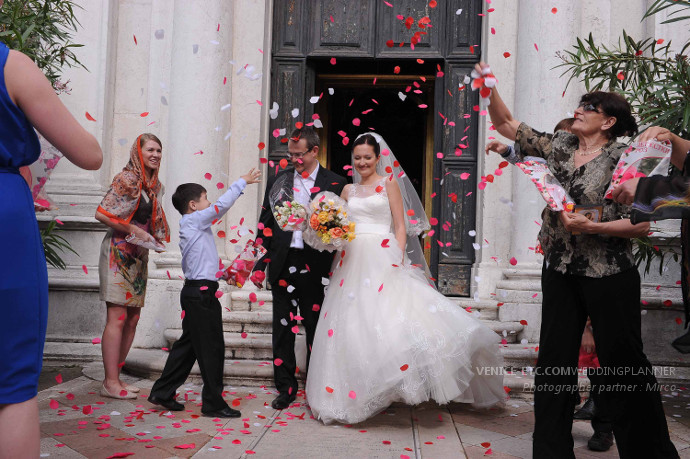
(184, 194)
(613, 104)
(368, 139)
(307, 133)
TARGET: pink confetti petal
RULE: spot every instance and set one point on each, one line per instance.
(278, 362)
(352, 395)
(86, 270)
(96, 341)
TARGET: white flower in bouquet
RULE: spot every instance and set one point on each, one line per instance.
(291, 215)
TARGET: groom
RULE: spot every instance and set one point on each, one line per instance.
(296, 272)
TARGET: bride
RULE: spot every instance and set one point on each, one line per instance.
(385, 334)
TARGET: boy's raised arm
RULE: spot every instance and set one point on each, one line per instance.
(227, 199)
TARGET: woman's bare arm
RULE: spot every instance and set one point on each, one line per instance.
(31, 91)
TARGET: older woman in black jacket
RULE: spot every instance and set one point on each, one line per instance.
(589, 270)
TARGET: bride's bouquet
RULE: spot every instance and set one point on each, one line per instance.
(241, 267)
(289, 214)
(643, 159)
(329, 228)
(551, 190)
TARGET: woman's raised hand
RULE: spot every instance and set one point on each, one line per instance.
(252, 176)
(496, 146)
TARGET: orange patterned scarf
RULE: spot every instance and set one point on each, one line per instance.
(122, 199)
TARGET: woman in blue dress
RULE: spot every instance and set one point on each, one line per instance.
(27, 100)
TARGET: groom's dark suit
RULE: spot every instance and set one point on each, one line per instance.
(304, 269)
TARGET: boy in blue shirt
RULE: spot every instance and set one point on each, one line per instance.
(202, 325)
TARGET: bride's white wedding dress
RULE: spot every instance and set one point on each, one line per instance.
(385, 335)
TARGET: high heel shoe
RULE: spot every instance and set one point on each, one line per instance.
(128, 396)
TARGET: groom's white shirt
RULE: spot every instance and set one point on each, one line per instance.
(302, 187)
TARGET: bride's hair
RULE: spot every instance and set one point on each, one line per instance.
(367, 139)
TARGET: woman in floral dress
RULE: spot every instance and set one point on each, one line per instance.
(131, 208)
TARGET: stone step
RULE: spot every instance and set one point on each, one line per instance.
(518, 356)
(240, 300)
(507, 330)
(487, 308)
(149, 363)
(531, 285)
(257, 321)
(252, 346)
(530, 274)
(518, 296)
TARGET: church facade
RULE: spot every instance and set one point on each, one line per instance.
(223, 83)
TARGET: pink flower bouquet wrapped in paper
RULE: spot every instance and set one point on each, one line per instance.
(642, 159)
(289, 214)
(551, 190)
(38, 173)
(241, 267)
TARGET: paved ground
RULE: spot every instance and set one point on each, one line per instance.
(76, 422)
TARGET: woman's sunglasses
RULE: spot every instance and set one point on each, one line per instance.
(586, 106)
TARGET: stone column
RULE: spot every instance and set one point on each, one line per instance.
(250, 94)
(199, 119)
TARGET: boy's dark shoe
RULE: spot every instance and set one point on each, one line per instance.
(600, 441)
(171, 404)
(586, 412)
(226, 412)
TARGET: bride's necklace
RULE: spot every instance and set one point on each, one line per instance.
(580, 152)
